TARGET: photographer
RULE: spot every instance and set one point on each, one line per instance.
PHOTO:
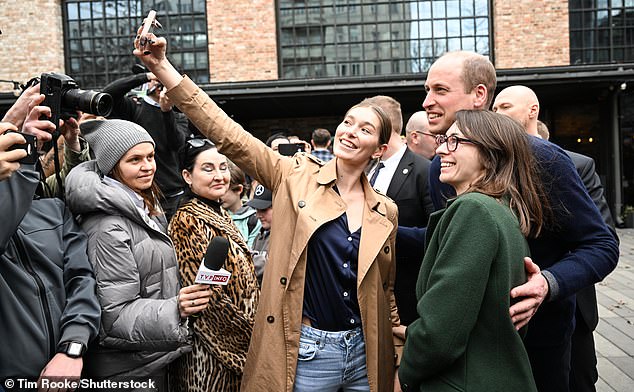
(75, 148)
(25, 114)
(47, 288)
(166, 127)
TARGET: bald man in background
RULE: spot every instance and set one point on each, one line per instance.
(521, 104)
(419, 139)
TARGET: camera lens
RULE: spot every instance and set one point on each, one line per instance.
(88, 101)
(102, 104)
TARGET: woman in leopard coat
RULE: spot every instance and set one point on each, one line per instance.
(223, 330)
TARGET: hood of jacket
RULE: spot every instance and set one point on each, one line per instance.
(243, 213)
(87, 193)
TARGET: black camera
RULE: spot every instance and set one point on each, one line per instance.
(65, 98)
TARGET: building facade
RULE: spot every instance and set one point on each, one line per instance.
(296, 65)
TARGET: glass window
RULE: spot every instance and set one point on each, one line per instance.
(599, 30)
(108, 27)
(378, 37)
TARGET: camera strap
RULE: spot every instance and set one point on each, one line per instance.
(58, 176)
(55, 117)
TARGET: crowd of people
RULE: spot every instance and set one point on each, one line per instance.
(460, 256)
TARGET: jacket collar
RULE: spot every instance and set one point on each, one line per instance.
(328, 172)
(371, 197)
(328, 175)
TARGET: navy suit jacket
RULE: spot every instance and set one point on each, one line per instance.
(587, 297)
(409, 188)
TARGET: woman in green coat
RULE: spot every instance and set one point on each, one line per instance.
(464, 339)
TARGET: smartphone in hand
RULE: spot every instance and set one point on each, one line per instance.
(30, 147)
(289, 149)
(148, 26)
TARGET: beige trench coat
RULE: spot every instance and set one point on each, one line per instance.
(303, 200)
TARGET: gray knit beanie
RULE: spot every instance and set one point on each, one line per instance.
(111, 139)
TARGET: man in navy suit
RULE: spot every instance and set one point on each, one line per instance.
(521, 104)
(403, 176)
(574, 252)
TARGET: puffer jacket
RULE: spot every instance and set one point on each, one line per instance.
(137, 279)
(47, 287)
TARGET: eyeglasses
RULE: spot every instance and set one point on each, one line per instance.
(197, 143)
(452, 141)
(426, 133)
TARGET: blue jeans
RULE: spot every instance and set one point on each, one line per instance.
(331, 361)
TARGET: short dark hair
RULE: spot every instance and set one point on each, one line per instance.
(237, 178)
(392, 108)
(275, 136)
(478, 69)
(320, 137)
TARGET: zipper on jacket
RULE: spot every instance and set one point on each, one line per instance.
(26, 261)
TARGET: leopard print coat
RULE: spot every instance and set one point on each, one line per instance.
(223, 330)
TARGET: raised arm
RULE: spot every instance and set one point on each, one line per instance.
(123, 107)
(249, 153)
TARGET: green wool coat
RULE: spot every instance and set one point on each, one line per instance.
(464, 339)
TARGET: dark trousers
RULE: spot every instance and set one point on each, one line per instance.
(583, 372)
(551, 367)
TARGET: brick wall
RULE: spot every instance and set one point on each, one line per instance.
(531, 33)
(242, 40)
(31, 40)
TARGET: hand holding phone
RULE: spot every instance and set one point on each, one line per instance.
(290, 149)
(30, 147)
(148, 25)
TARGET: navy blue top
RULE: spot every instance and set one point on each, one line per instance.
(575, 251)
(330, 291)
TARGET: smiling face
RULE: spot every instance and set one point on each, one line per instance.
(210, 176)
(462, 167)
(137, 167)
(357, 137)
(446, 93)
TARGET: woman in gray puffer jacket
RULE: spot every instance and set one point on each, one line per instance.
(144, 313)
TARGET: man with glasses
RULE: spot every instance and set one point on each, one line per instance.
(575, 251)
(419, 139)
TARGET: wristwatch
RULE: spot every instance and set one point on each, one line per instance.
(72, 349)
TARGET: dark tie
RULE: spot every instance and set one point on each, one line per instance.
(376, 173)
